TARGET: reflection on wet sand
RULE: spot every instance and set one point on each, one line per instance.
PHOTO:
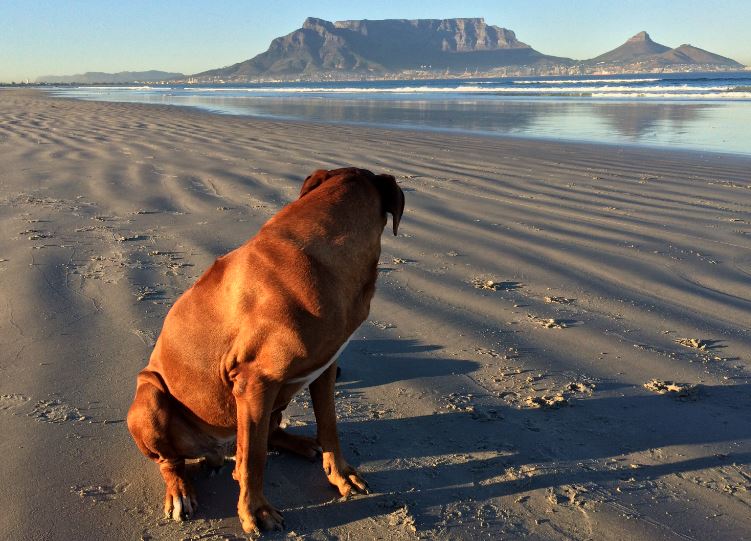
(716, 126)
(479, 116)
(635, 120)
(629, 119)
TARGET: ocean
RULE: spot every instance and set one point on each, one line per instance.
(693, 111)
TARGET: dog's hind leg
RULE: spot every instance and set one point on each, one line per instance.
(154, 425)
(281, 439)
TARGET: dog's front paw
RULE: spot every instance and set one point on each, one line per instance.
(263, 515)
(344, 477)
(180, 500)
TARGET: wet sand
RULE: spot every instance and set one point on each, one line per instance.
(504, 385)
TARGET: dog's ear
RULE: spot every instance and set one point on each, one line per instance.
(313, 181)
(392, 198)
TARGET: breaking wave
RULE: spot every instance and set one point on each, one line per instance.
(609, 90)
(583, 81)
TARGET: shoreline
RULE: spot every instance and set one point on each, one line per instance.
(503, 385)
(428, 131)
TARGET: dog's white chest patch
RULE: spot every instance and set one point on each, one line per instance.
(306, 380)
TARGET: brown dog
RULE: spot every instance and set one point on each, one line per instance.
(265, 320)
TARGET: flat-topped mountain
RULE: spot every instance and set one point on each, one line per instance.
(123, 77)
(640, 49)
(384, 46)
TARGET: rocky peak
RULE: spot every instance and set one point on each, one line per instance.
(318, 25)
(640, 37)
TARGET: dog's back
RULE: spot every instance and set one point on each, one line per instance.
(302, 284)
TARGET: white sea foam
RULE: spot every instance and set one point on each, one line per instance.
(603, 88)
(582, 81)
(621, 88)
(465, 89)
(685, 96)
(100, 88)
(667, 91)
(349, 90)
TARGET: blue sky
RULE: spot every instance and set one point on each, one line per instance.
(41, 37)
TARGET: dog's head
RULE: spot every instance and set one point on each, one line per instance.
(392, 196)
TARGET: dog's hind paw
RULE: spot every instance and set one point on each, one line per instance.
(300, 445)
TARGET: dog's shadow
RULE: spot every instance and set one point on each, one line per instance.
(432, 461)
(374, 362)
(298, 481)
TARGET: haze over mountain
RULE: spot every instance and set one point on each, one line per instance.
(93, 77)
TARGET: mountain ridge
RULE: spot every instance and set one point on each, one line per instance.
(421, 48)
(638, 45)
(447, 47)
(93, 77)
(372, 47)
(641, 49)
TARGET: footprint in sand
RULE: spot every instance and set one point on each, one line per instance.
(549, 323)
(99, 493)
(55, 411)
(383, 325)
(559, 300)
(696, 343)
(681, 391)
(10, 403)
(36, 234)
(492, 285)
(402, 519)
(148, 293)
(121, 238)
(580, 387)
(550, 402)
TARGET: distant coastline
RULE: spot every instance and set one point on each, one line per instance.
(403, 76)
(521, 71)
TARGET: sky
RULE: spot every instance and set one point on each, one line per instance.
(64, 37)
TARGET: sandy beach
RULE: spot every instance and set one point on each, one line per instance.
(498, 388)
